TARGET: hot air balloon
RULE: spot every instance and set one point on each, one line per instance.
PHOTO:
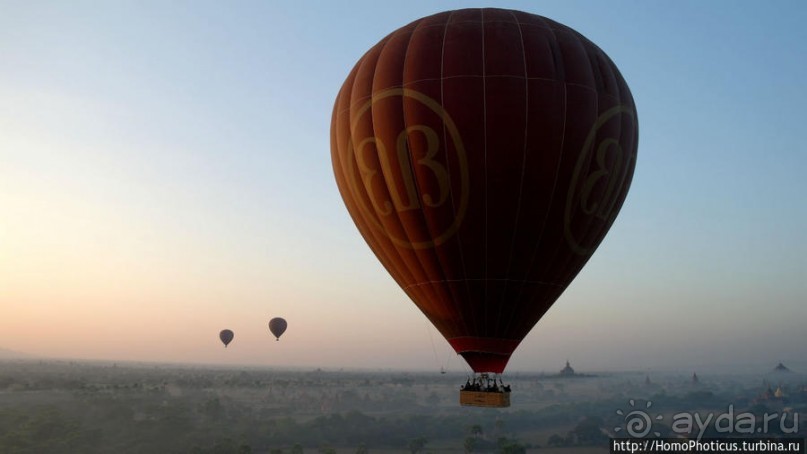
(226, 337)
(278, 326)
(483, 154)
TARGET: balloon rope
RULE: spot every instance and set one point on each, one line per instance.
(431, 339)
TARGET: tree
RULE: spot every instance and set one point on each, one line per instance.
(416, 445)
(498, 428)
(588, 431)
(470, 444)
(555, 440)
(213, 409)
(507, 446)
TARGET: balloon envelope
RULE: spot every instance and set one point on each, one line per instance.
(226, 336)
(278, 326)
(483, 154)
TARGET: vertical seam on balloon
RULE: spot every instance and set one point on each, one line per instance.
(485, 167)
(417, 257)
(394, 212)
(523, 165)
(447, 291)
(462, 325)
(448, 170)
(381, 250)
(386, 250)
(557, 168)
(347, 162)
(627, 175)
(564, 264)
(431, 301)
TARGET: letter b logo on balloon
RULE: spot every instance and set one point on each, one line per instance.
(406, 166)
(600, 179)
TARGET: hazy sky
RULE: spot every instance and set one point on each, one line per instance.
(165, 173)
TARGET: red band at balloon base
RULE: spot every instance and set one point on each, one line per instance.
(485, 354)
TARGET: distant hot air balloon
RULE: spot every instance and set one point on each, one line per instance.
(278, 326)
(226, 337)
(483, 154)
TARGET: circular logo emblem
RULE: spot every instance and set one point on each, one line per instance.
(406, 170)
(600, 174)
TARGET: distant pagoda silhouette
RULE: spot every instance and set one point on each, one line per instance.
(567, 371)
(781, 368)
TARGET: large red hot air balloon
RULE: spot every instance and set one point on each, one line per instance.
(483, 155)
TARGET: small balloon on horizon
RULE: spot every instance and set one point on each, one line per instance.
(226, 337)
(278, 326)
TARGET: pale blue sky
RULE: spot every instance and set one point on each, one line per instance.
(165, 173)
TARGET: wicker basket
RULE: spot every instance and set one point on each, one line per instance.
(485, 399)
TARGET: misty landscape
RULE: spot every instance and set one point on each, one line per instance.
(89, 407)
(390, 187)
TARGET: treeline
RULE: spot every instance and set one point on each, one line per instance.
(206, 427)
(73, 407)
